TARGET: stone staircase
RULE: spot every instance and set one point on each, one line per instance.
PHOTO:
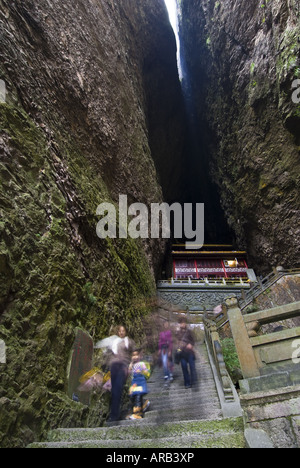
(177, 418)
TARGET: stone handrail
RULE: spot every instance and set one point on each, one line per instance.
(205, 283)
(258, 353)
(214, 345)
(264, 284)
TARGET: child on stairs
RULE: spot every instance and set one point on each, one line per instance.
(140, 372)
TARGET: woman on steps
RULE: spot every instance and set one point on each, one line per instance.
(186, 343)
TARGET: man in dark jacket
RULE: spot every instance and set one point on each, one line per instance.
(186, 343)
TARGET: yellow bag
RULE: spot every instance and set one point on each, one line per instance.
(106, 377)
(90, 374)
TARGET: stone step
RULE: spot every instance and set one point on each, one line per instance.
(222, 440)
(202, 373)
(178, 380)
(207, 375)
(185, 405)
(202, 385)
(205, 411)
(178, 377)
(182, 394)
(134, 430)
(171, 414)
(183, 434)
(177, 392)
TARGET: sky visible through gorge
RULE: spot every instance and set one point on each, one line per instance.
(173, 15)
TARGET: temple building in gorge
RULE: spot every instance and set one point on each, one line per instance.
(209, 263)
(204, 278)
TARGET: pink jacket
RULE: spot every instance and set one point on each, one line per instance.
(165, 339)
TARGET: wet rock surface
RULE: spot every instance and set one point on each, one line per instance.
(241, 60)
(89, 87)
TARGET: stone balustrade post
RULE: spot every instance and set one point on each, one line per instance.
(243, 345)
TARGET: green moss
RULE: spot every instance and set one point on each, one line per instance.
(197, 434)
(288, 54)
(297, 111)
(230, 355)
(26, 137)
(55, 275)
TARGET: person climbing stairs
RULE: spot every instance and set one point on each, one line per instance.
(177, 418)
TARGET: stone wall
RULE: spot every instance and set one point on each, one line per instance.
(277, 412)
(194, 298)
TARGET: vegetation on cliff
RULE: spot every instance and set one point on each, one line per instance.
(84, 81)
(242, 59)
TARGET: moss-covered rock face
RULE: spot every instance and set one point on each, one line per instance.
(242, 59)
(77, 129)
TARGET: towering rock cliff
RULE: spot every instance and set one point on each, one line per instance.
(90, 86)
(242, 58)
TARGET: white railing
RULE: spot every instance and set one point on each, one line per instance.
(224, 282)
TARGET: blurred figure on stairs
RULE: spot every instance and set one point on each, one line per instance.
(119, 348)
(140, 372)
(186, 353)
(165, 349)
